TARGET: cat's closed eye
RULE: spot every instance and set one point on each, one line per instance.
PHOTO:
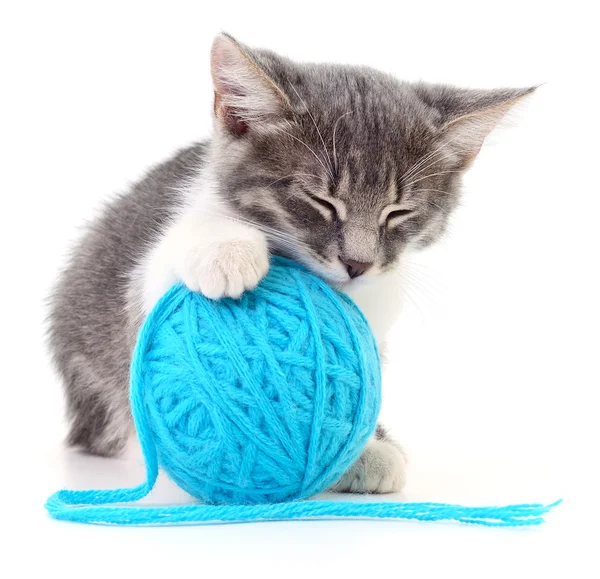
(399, 213)
(331, 210)
(324, 203)
(397, 216)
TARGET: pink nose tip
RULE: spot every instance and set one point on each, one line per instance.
(355, 268)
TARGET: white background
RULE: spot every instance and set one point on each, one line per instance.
(493, 364)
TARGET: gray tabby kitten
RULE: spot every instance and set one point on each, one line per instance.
(340, 168)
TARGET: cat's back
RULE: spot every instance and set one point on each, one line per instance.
(88, 303)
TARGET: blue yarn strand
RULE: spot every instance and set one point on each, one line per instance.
(502, 516)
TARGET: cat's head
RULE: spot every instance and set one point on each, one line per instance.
(342, 167)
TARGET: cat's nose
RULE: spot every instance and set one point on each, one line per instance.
(355, 268)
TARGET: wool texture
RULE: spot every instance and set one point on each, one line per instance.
(263, 399)
(251, 405)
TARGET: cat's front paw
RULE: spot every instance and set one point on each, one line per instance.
(227, 267)
(381, 468)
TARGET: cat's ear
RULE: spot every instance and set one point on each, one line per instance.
(467, 116)
(245, 96)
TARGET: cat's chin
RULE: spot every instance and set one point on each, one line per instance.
(343, 283)
(351, 285)
(338, 280)
(335, 278)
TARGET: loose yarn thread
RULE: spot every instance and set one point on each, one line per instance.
(71, 506)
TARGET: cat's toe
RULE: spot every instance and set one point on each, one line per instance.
(380, 469)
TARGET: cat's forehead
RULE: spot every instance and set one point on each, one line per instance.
(366, 186)
(370, 124)
(363, 102)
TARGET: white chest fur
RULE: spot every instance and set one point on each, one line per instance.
(380, 299)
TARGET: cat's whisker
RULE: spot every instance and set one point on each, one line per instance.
(431, 203)
(299, 195)
(318, 131)
(428, 287)
(409, 269)
(420, 294)
(430, 191)
(293, 175)
(427, 274)
(409, 295)
(429, 176)
(421, 162)
(417, 166)
(335, 159)
(407, 174)
(439, 159)
(327, 170)
(413, 287)
(280, 235)
(430, 162)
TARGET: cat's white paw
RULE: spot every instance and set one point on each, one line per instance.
(226, 267)
(381, 468)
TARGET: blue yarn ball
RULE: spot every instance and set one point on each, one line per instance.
(264, 399)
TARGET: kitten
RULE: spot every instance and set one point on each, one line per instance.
(340, 168)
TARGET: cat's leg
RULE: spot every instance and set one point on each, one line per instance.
(91, 348)
(97, 405)
(381, 468)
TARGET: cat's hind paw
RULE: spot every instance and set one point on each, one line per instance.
(380, 469)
